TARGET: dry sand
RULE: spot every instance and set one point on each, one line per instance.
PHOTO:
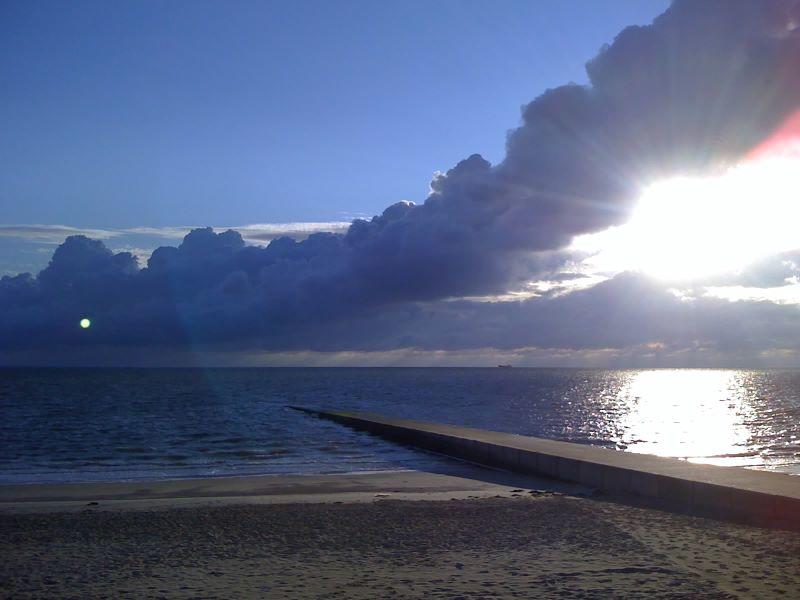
(357, 540)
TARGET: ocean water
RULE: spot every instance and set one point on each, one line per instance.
(106, 424)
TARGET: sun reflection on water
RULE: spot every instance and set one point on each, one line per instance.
(696, 414)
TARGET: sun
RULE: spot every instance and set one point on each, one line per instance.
(687, 228)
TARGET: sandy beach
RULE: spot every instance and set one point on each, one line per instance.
(478, 534)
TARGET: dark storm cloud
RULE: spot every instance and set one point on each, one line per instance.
(628, 311)
(692, 92)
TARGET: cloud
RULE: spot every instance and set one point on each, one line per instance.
(18, 240)
(266, 232)
(691, 93)
(255, 233)
(630, 316)
(767, 272)
(629, 320)
(54, 234)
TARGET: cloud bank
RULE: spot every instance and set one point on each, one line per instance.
(692, 93)
(255, 233)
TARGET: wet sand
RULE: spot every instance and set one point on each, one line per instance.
(395, 535)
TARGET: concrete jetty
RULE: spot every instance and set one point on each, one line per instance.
(757, 497)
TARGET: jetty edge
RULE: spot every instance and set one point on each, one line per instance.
(763, 498)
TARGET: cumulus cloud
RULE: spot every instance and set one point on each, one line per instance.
(20, 241)
(693, 92)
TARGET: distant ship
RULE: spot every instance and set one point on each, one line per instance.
(503, 366)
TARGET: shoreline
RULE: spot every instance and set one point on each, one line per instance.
(794, 471)
(130, 481)
(461, 481)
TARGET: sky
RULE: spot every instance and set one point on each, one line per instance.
(516, 172)
(159, 114)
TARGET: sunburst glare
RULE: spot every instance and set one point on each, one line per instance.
(689, 227)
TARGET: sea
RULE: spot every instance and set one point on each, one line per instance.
(72, 425)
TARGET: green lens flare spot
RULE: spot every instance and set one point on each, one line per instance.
(85, 323)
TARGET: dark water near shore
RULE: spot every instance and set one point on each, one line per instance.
(79, 425)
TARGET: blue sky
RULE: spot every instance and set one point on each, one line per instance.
(131, 114)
